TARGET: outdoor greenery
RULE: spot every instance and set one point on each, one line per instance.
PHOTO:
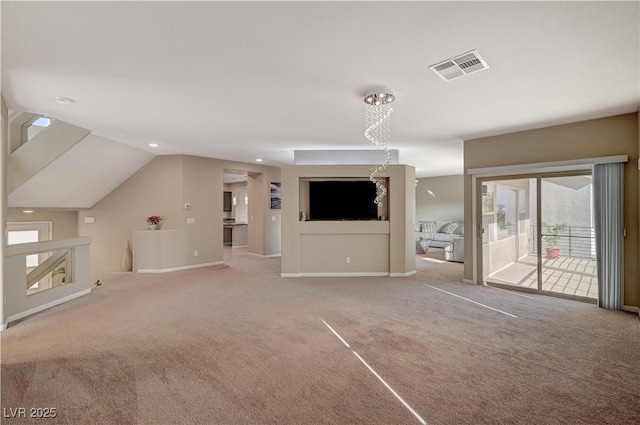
(552, 234)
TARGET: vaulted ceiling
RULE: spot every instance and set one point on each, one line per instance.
(242, 80)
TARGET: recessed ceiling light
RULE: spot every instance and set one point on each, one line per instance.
(258, 159)
(64, 100)
(154, 145)
(27, 211)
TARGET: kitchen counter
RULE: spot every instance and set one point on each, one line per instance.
(235, 235)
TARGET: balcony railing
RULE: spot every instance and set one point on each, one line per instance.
(575, 242)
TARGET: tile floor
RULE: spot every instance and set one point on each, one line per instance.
(565, 275)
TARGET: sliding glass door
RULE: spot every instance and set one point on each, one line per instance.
(568, 237)
(508, 245)
(537, 234)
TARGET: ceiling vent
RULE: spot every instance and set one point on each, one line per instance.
(459, 66)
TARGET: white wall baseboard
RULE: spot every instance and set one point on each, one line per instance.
(468, 281)
(265, 256)
(409, 273)
(180, 268)
(631, 309)
(345, 274)
(45, 306)
(3, 328)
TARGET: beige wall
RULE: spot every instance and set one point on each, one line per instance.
(65, 223)
(448, 203)
(202, 188)
(618, 135)
(156, 189)
(162, 187)
(321, 247)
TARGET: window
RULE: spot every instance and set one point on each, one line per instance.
(35, 126)
(30, 231)
(24, 236)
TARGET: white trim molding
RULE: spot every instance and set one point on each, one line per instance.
(346, 274)
(181, 268)
(45, 306)
(631, 309)
(406, 274)
(264, 256)
(470, 281)
(354, 274)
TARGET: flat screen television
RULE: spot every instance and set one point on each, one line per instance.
(342, 200)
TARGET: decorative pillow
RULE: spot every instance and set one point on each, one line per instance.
(449, 228)
(429, 227)
(425, 244)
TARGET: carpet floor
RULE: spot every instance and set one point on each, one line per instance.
(241, 345)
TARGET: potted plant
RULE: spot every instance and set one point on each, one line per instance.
(551, 238)
(154, 222)
(62, 271)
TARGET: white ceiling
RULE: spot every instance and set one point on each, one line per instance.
(241, 80)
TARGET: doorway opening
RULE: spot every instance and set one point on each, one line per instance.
(235, 218)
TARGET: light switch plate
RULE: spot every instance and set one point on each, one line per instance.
(191, 220)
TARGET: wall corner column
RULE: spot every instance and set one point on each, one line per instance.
(4, 154)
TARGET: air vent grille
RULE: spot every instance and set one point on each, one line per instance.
(459, 66)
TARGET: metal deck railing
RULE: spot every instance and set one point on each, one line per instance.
(575, 242)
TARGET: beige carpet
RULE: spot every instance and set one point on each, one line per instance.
(240, 345)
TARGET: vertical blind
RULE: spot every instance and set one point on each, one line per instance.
(609, 230)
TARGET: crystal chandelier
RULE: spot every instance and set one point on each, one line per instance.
(378, 122)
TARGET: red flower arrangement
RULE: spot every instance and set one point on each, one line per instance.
(154, 219)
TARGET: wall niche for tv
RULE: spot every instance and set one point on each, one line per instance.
(339, 199)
